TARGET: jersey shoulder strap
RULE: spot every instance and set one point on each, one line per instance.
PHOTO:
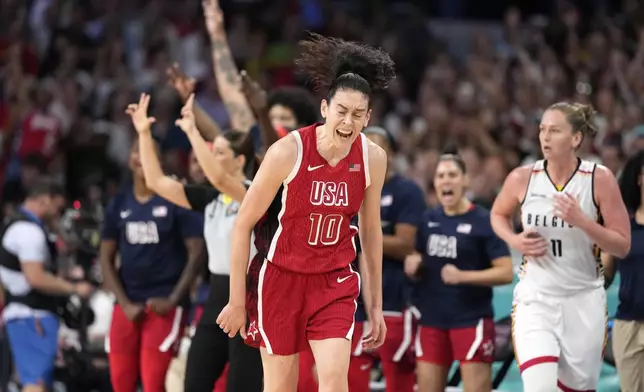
(587, 167)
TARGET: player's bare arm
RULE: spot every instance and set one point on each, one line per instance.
(614, 236)
(371, 240)
(505, 205)
(400, 244)
(164, 186)
(215, 173)
(226, 72)
(365, 286)
(107, 259)
(277, 165)
(498, 274)
(194, 248)
(185, 86)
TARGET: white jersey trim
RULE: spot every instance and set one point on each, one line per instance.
(291, 176)
(365, 160)
(298, 160)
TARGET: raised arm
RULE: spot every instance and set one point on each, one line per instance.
(226, 72)
(215, 173)
(256, 98)
(277, 165)
(185, 86)
(166, 187)
(614, 236)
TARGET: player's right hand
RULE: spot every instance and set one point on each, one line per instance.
(133, 312)
(378, 330)
(530, 243)
(138, 112)
(84, 289)
(232, 319)
(412, 264)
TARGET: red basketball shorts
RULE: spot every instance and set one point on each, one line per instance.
(469, 344)
(142, 350)
(287, 309)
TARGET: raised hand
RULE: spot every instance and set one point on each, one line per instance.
(182, 83)
(255, 94)
(187, 120)
(138, 112)
(214, 17)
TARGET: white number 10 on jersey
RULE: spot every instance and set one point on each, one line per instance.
(325, 229)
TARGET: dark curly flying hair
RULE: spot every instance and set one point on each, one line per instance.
(299, 100)
(629, 182)
(332, 64)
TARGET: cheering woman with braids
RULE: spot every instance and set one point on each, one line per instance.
(301, 288)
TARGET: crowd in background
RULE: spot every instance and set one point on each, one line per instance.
(69, 68)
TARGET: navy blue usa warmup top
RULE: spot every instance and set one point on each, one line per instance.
(468, 242)
(401, 201)
(150, 239)
(631, 271)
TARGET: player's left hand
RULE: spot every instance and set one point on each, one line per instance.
(187, 120)
(567, 207)
(378, 331)
(160, 306)
(451, 274)
(232, 319)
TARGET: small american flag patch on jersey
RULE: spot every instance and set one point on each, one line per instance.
(354, 167)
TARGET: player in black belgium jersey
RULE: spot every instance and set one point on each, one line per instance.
(459, 259)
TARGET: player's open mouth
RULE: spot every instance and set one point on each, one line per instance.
(344, 134)
(447, 192)
(546, 148)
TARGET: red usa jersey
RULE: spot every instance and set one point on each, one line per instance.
(314, 233)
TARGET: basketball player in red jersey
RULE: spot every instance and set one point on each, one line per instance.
(326, 173)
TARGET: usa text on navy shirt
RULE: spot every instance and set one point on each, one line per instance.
(150, 239)
(468, 242)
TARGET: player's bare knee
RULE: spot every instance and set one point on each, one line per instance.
(333, 382)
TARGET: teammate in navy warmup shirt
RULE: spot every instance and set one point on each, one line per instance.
(459, 259)
(159, 245)
(402, 203)
(629, 319)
